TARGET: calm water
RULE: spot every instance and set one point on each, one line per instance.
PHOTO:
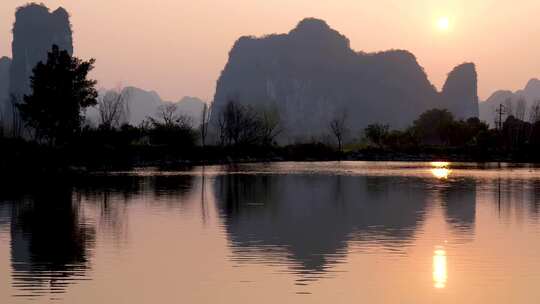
(351, 232)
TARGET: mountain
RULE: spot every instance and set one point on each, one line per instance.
(530, 94)
(311, 75)
(143, 104)
(5, 64)
(531, 90)
(35, 31)
(192, 107)
(461, 85)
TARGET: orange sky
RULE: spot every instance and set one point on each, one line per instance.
(179, 47)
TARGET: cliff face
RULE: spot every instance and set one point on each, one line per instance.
(5, 64)
(532, 90)
(311, 75)
(460, 92)
(34, 32)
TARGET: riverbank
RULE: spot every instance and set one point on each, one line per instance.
(19, 157)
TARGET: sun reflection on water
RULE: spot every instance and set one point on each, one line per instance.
(440, 272)
(440, 169)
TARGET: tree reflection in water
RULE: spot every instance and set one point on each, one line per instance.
(50, 241)
(52, 238)
(307, 223)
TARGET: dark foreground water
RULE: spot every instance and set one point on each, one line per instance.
(351, 232)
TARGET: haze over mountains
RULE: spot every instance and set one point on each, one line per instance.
(143, 104)
(530, 94)
(35, 30)
(311, 75)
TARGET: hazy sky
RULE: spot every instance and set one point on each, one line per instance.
(179, 47)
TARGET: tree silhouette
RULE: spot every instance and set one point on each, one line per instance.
(204, 124)
(377, 133)
(60, 91)
(434, 126)
(171, 128)
(113, 108)
(338, 127)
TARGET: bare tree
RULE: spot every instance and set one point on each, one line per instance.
(233, 117)
(509, 107)
(167, 113)
(113, 109)
(338, 127)
(241, 125)
(169, 117)
(521, 108)
(16, 122)
(204, 124)
(534, 112)
(270, 126)
(237, 124)
(220, 126)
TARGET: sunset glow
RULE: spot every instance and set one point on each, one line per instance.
(281, 151)
(443, 24)
(440, 272)
(166, 34)
(440, 170)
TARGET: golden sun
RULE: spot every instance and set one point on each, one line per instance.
(443, 24)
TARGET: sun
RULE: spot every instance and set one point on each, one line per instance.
(443, 24)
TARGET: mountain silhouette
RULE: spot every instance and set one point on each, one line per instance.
(35, 31)
(311, 75)
(459, 93)
(143, 104)
(5, 64)
(529, 94)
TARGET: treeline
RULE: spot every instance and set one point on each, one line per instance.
(49, 129)
(48, 126)
(437, 132)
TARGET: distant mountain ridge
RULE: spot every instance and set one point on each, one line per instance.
(530, 94)
(311, 75)
(143, 104)
(35, 31)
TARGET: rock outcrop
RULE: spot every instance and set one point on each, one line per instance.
(532, 90)
(5, 64)
(35, 31)
(311, 75)
(460, 92)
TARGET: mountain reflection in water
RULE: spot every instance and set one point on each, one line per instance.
(303, 224)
